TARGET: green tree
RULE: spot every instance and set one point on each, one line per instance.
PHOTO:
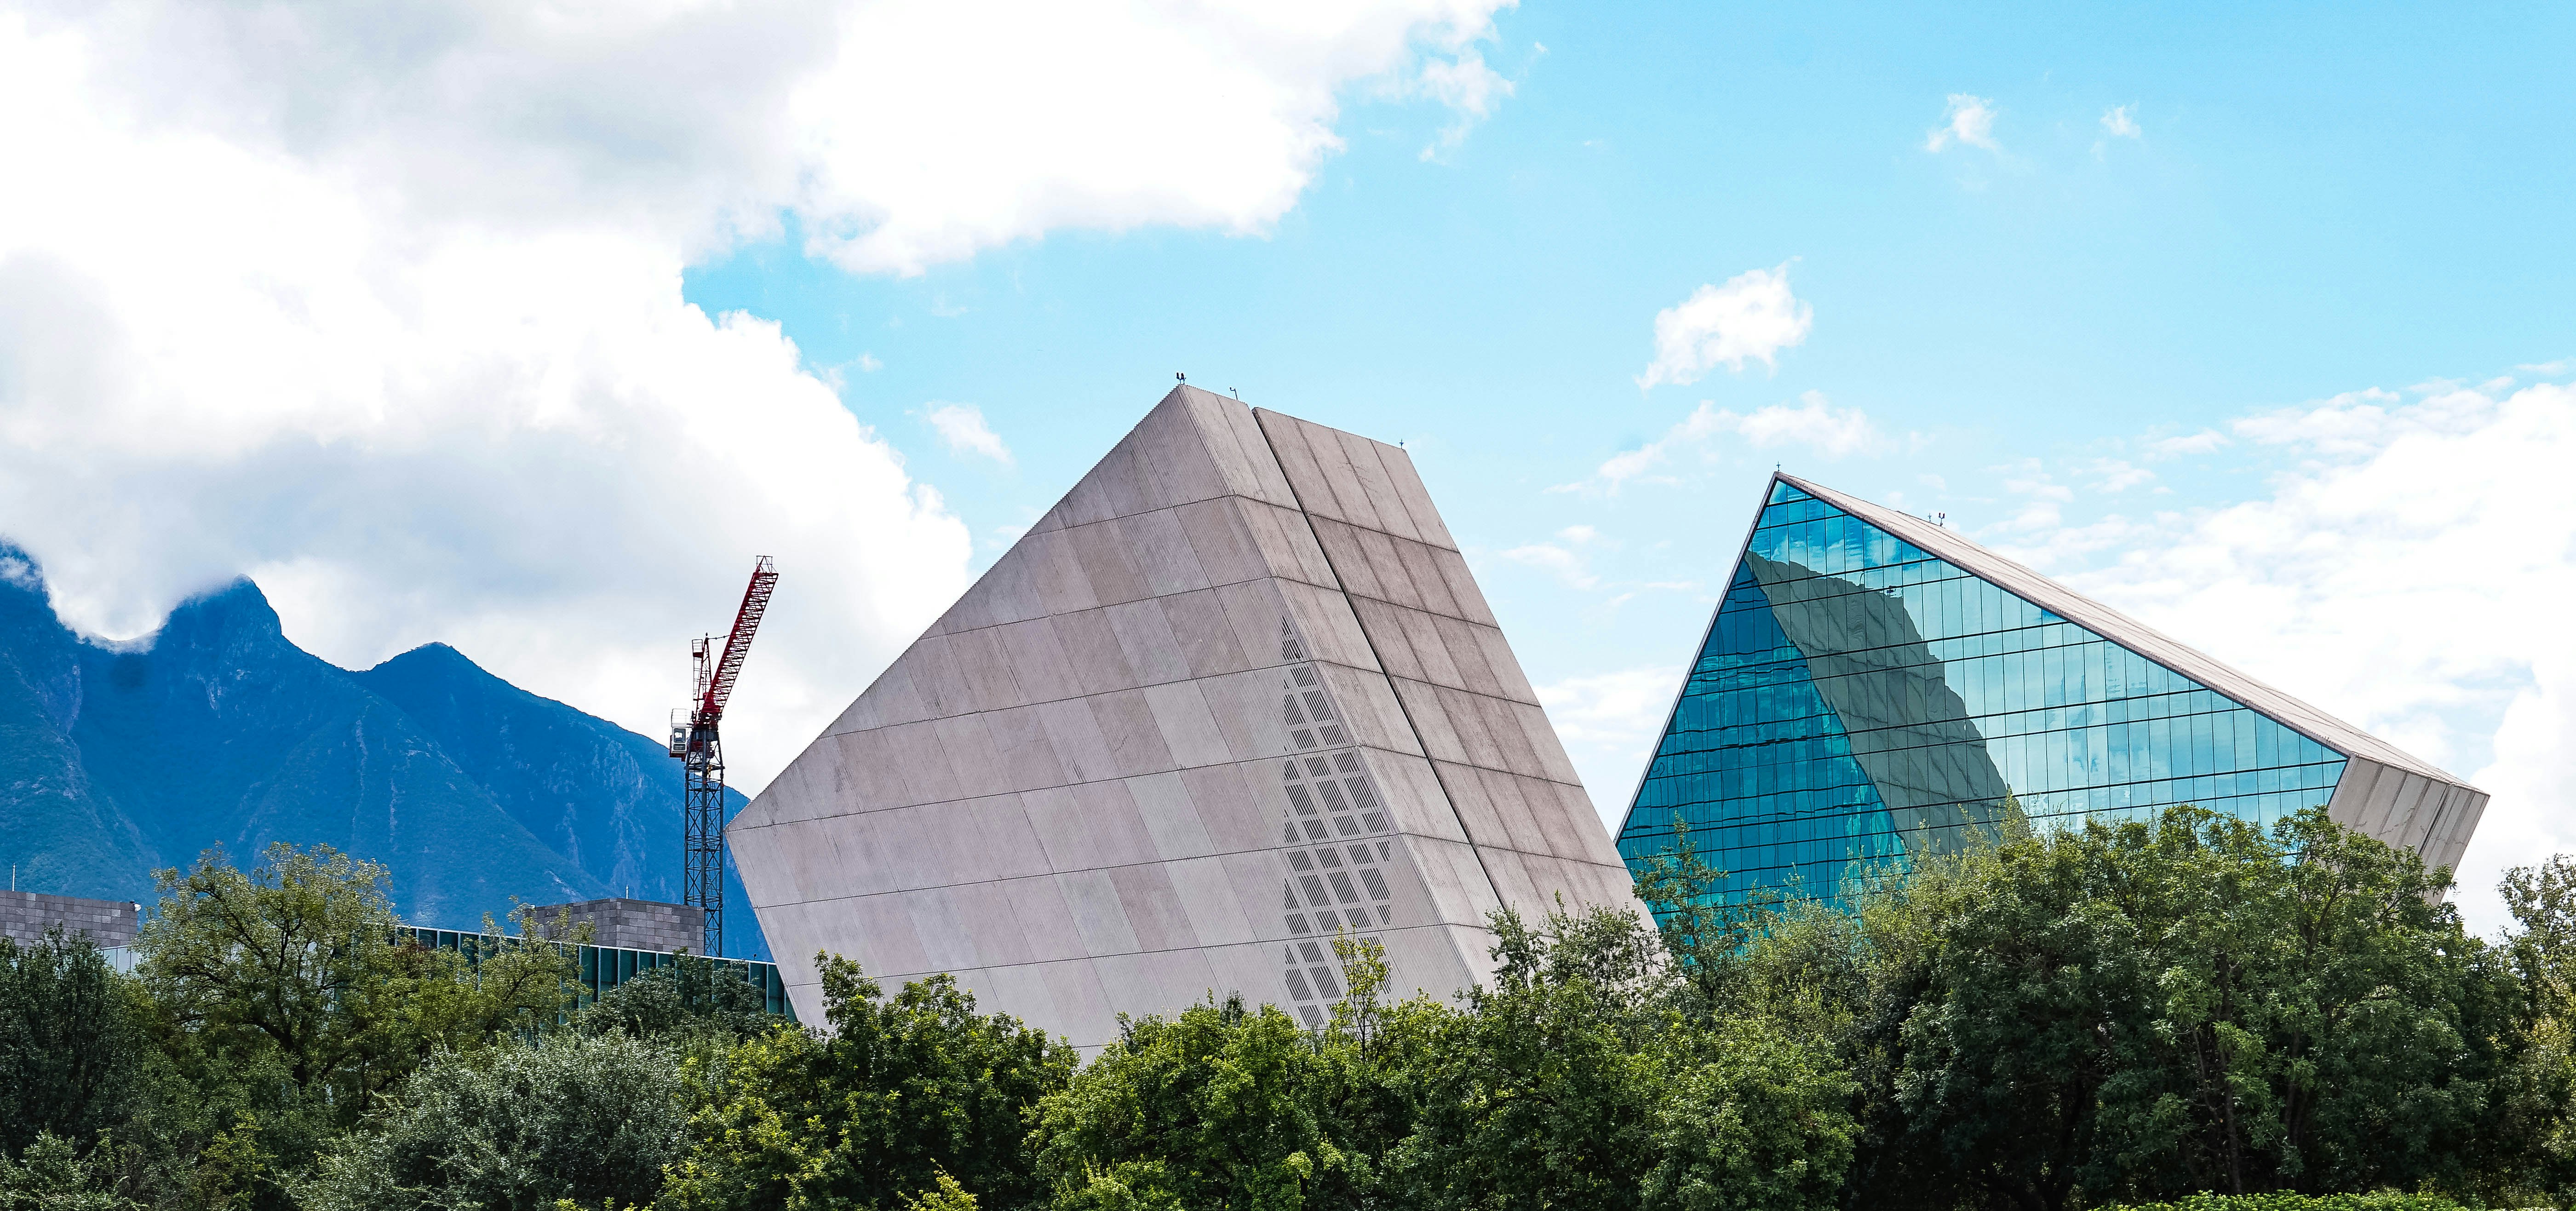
(2148, 1008)
(694, 996)
(71, 1040)
(897, 1092)
(55, 1176)
(301, 964)
(513, 1128)
(1218, 1106)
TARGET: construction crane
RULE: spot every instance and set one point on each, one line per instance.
(695, 743)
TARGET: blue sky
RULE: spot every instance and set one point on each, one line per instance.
(526, 333)
(2304, 201)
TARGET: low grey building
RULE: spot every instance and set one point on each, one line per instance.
(1235, 694)
(627, 924)
(26, 915)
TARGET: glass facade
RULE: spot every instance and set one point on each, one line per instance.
(1858, 701)
(606, 967)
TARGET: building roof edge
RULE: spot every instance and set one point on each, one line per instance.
(2128, 632)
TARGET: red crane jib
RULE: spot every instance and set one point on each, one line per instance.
(746, 621)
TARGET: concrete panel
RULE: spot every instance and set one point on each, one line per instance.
(1000, 828)
(1091, 645)
(1153, 907)
(1327, 627)
(1075, 736)
(1107, 565)
(935, 677)
(1257, 613)
(1427, 523)
(1222, 541)
(974, 760)
(1097, 913)
(1228, 813)
(1207, 640)
(1028, 760)
(1428, 713)
(1383, 625)
(1287, 441)
(1458, 639)
(1056, 573)
(1176, 454)
(1162, 551)
(868, 775)
(1037, 660)
(1507, 668)
(1461, 583)
(1372, 714)
(1021, 991)
(1213, 903)
(1169, 818)
(1246, 709)
(1288, 546)
(1422, 566)
(881, 936)
(985, 669)
(919, 753)
(1145, 636)
(1272, 485)
(1385, 504)
(1045, 919)
(1086, 1017)
(1348, 559)
(1135, 739)
(1189, 731)
(1414, 796)
(946, 941)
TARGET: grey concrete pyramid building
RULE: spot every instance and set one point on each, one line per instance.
(1235, 693)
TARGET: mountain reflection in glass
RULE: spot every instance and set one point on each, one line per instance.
(1858, 702)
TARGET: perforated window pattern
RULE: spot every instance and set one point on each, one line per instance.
(1334, 834)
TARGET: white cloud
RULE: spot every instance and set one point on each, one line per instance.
(2119, 123)
(2116, 475)
(2204, 442)
(1609, 723)
(961, 427)
(1561, 558)
(1752, 317)
(2408, 571)
(868, 363)
(1969, 121)
(1468, 88)
(1814, 423)
(387, 314)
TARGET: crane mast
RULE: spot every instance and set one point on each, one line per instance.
(696, 741)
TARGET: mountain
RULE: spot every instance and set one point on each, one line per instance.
(117, 759)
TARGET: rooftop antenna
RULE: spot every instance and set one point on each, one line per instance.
(1180, 377)
(1942, 520)
(1234, 392)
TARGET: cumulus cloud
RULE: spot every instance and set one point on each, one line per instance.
(388, 316)
(1813, 422)
(1750, 318)
(1609, 722)
(1969, 121)
(1468, 88)
(961, 427)
(2407, 571)
(2119, 123)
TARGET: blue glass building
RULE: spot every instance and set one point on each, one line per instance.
(1874, 686)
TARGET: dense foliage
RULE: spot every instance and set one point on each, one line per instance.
(2189, 1012)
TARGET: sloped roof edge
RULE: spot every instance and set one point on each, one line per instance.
(2128, 632)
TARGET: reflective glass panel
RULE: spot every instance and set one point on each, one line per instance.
(1858, 702)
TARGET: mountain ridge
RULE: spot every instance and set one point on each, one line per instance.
(117, 759)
